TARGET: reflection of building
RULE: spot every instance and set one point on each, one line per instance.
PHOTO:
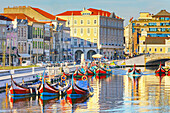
(94, 31)
(157, 30)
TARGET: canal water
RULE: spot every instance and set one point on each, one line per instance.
(116, 93)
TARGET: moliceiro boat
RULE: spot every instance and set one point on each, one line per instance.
(18, 90)
(161, 72)
(101, 73)
(80, 88)
(134, 73)
(53, 90)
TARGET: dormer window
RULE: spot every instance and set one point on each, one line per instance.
(86, 14)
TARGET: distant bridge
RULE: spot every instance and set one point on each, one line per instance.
(154, 57)
(144, 59)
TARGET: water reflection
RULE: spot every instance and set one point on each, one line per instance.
(115, 93)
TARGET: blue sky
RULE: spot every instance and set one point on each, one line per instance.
(122, 8)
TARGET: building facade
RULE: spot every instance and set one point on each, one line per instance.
(4, 22)
(94, 31)
(153, 30)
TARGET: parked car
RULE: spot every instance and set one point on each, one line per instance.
(26, 63)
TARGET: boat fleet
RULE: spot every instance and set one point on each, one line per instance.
(75, 84)
(71, 84)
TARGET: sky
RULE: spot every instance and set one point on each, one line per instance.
(122, 8)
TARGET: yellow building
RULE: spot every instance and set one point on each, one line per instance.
(94, 31)
(154, 44)
(156, 29)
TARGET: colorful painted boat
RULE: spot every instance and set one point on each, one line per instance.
(78, 75)
(161, 72)
(48, 90)
(80, 88)
(102, 73)
(90, 72)
(168, 72)
(53, 90)
(18, 90)
(134, 73)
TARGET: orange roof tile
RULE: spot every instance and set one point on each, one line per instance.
(99, 12)
(69, 13)
(18, 16)
(59, 19)
(48, 15)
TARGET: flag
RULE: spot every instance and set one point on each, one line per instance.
(131, 19)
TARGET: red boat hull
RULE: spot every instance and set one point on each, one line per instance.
(48, 90)
(17, 90)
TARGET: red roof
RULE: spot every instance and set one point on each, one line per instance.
(99, 12)
(48, 15)
(59, 19)
(18, 16)
(94, 12)
(70, 13)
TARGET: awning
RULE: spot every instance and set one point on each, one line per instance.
(25, 55)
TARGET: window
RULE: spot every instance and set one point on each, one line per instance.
(40, 44)
(160, 49)
(150, 49)
(81, 21)
(166, 18)
(88, 42)
(75, 42)
(168, 50)
(81, 30)
(88, 30)
(22, 32)
(86, 14)
(19, 46)
(68, 22)
(75, 31)
(75, 21)
(95, 42)
(152, 24)
(155, 49)
(95, 31)
(38, 32)
(35, 44)
(24, 47)
(82, 42)
(18, 32)
(88, 21)
(95, 21)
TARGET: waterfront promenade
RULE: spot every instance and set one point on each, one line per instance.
(29, 74)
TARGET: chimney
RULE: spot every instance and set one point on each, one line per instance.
(84, 8)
